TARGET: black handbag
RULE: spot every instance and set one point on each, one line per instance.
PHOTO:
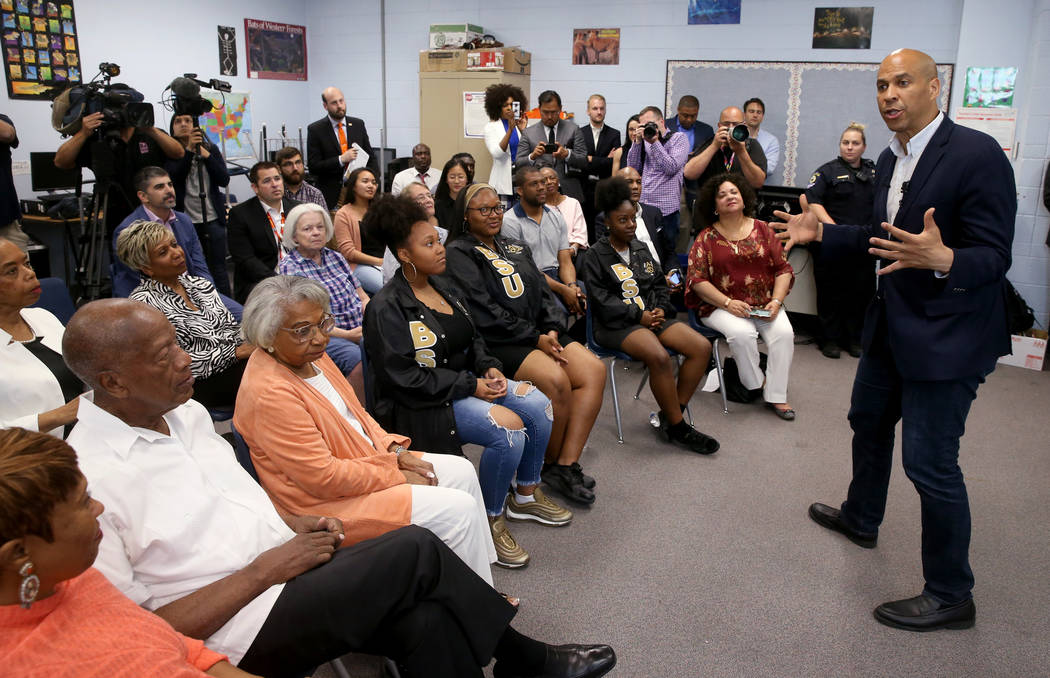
(735, 390)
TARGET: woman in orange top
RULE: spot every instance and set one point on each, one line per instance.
(317, 451)
(58, 615)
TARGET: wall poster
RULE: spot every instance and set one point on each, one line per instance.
(41, 50)
(276, 51)
(842, 27)
(596, 46)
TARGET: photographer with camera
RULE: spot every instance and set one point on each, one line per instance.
(732, 150)
(554, 143)
(191, 184)
(132, 149)
(660, 160)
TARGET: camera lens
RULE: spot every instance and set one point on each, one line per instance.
(740, 133)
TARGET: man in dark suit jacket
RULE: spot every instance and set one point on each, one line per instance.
(571, 155)
(327, 154)
(932, 333)
(255, 228)
(599, 164)
(699, 133)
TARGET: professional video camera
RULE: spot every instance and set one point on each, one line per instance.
(186, 99)
(120, 105)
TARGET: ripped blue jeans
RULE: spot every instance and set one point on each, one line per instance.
(507, 451)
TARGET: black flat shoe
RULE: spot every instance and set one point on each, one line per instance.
(831, 518)
(567, 661)
(923, 613)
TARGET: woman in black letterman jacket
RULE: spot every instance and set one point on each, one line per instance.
(435, 379)
(524, 327)
(631, 309)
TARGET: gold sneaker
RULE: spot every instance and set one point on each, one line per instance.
(508, 553)
(542, 510)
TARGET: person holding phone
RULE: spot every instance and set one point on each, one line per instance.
(737, 280)
(504, 104)
(632, 311)
(556, 142)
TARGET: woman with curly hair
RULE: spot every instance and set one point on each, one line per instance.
(502, 133)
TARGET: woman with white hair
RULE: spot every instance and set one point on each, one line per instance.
(204, 327)
(316, 449)
(307, 228)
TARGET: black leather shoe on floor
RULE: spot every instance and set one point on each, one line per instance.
(831, 518)
(831, 351)
(567, 484)
(923, 613)
(568, 661)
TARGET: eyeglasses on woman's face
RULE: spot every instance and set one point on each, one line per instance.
(304, 333)
(487, 210)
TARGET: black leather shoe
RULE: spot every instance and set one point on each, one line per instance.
(923, 613)
(831, 351)
(831, 518)
(578, 661)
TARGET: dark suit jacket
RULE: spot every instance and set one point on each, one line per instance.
(322, 153)
(569, 169)
(601, 164)
(702, 132)
(953, 327)
(252, 245)
(654, 223)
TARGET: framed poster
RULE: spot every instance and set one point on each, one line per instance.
(229, 124)
(275, 51)
(41, 50)
(596, 46)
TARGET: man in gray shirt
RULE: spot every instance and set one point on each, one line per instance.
(544, 230)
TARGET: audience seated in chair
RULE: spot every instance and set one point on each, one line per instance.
(570, 208)
(39, 391)
(418, 194)
(447, 392)
(632, 312)
(354, 238)
(204, 327)
(738, 279)
(524, 328)
(187, 533)
(317, 450)
(455, 176)
(306, 231)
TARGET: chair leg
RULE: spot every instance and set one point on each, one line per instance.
(338, 669)
(721, 379)
(391, 669)
(616, 401)
(641, 384)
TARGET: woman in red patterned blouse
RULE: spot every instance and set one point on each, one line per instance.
(737, 281)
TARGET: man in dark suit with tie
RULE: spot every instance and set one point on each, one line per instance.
(555, 143)
(329, 145)
(933, 331)
(698, 133)
(600, 140)
(255, 227)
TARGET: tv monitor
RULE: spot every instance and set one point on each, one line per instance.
(47, 177)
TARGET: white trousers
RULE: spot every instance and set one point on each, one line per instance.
(455, 512)
(742, 335)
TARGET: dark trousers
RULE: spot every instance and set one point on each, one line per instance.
(404, 595)
(933, 416)
(213, 241)
(219, 390)
(670, 231)
(844, 289)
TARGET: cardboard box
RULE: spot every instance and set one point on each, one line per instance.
(443, 36)
(438, 60)
(507, 59)
(1028, 352)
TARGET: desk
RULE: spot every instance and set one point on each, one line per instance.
(60, 237)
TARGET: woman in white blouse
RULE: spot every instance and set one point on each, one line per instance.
(502, 133)
(204, 327)
(38, 392)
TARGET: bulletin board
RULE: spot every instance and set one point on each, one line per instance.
(808, 104)
(41, 48)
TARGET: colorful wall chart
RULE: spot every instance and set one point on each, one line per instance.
(40, 46)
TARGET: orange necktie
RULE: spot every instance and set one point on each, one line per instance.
(342, 138)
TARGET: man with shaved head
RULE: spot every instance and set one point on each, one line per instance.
(943, 230)
(330, 144)
(189, 535)
(725, 153)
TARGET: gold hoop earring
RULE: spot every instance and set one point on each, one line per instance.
(415, 273)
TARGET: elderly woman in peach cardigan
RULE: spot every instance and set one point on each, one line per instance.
(318, 452)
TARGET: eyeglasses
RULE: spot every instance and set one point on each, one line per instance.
(485, 211)
(305, 333)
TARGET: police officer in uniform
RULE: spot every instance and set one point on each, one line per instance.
(843, 191)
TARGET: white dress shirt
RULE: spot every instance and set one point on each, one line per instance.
(29, 387)
(277, 218)
(907, 158)
(641, 232)
(411, 175)
(180, 513)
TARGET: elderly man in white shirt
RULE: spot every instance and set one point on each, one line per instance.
(189, 535)
(421, 171)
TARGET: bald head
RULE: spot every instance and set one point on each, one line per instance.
(906, 88)
(634, 181)
(106, 333)
(334, 104)
(734, 115)
(921, 63)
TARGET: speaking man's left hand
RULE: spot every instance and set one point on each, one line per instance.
(914, 250)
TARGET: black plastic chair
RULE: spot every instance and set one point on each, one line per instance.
(714, 336)
(55, 297)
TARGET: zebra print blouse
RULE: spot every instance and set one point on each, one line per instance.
(210, 334)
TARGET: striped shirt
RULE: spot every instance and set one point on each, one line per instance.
(335, 274)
